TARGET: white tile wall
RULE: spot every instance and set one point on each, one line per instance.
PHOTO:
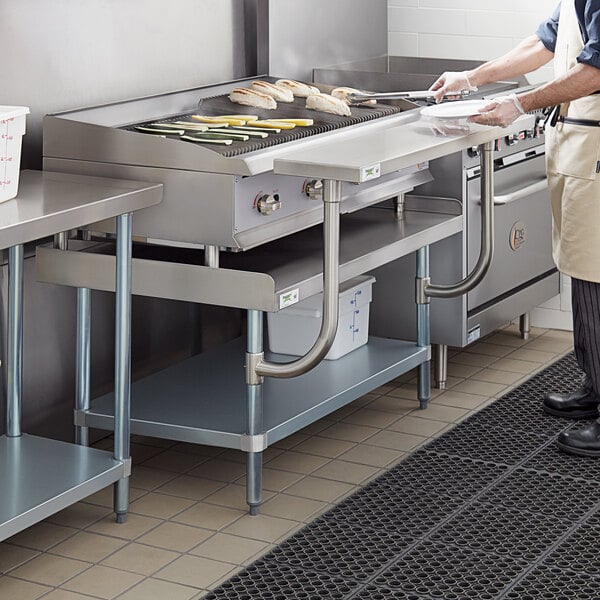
(467, 29)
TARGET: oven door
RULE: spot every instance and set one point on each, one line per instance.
(522, 229)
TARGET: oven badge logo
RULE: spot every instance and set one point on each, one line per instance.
(518, 236)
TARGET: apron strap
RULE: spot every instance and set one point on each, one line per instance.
(585, 122)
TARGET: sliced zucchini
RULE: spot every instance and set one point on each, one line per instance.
(222, 141)
(242, 130)
(155, 130)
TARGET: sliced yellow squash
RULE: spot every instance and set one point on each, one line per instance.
(297, 122)
(273, 123)
(243, 117)
(229, 121)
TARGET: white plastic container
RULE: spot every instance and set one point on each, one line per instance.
(295, 329)
(12, 130)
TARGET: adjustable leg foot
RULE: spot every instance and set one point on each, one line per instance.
(524, 326)
(121, 518)
(254, 482)
(424, 385)
(440, 356)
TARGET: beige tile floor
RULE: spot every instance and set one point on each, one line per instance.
(188, 529)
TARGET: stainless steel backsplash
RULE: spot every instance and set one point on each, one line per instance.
(305, 34)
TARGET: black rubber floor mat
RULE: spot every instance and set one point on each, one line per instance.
(489, 511)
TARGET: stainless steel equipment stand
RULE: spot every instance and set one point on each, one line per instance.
(41, 476)
(214, 405)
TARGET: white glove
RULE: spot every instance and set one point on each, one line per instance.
(451, 81)
(501, 111)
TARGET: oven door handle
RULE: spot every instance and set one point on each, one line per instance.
(528, 190)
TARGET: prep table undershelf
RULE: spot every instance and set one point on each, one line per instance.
(37, 488)
(203, 399)
(257, 279)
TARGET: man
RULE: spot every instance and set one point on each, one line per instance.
(572, 38)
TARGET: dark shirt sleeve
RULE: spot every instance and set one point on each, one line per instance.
(591, 19)
(548, 30)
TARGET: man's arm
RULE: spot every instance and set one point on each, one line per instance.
(579, 81)
(529, 55)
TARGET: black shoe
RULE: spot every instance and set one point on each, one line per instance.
(581, 442)
(580, 404)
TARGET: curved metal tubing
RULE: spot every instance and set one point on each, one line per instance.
(487, 232)
(332, 192)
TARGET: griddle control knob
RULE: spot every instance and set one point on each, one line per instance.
(314, 189)
(268, 203)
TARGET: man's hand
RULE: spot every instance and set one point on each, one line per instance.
(501, 111)
(451, 81)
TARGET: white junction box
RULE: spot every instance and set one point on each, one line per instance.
(295, 329)
(12, 130)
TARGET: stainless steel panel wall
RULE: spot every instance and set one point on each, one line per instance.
(68, 53)
(318, 33)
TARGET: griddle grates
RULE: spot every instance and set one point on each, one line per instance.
(461, 519)
(323, 122)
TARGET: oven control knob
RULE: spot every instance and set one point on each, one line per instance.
(473, 151)
(268, 203)
(314, 189)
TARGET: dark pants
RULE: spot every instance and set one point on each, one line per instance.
(586, 328)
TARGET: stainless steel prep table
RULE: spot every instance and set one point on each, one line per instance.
(41, 476)
(206, 399)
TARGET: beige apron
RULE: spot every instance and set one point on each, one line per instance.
(572, 158)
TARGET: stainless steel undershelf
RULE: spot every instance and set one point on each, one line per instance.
(203, 399)
(258, 278)
(41, 476)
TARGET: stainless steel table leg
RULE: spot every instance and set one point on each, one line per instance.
(255, 416)
(82, 372)
(14, 377)
(440, 361)
(524, 326)
(423, 329)
(122, 361)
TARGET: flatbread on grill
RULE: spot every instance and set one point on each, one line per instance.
(251, 97)
(300, 90)
(328, 104)
(280, 93)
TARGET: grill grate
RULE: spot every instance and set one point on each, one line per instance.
(323, 122)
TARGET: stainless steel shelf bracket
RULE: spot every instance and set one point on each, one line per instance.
(486, 154)
(253, 359)
(421, 285)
